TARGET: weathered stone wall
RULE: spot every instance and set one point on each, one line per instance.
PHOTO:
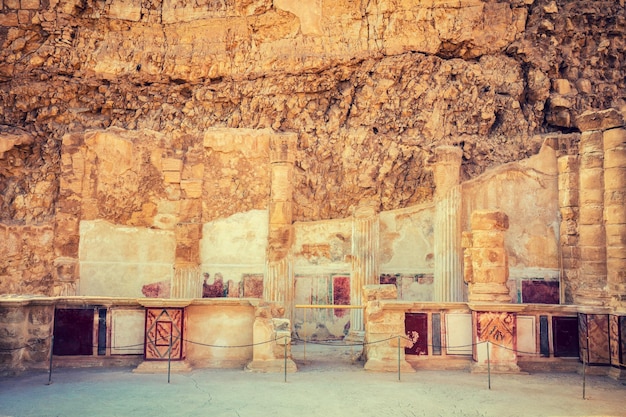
(371, 88)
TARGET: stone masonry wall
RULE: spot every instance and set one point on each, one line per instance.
(371, 88)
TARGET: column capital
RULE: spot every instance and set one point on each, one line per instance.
(283, 147)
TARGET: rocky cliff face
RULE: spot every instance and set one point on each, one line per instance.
(371, 87)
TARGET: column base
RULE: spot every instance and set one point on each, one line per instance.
(160, 367)
(272, 365)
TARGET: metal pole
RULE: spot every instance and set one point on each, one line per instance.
(488, 366)
(50, 366)
(285, 344)
(398, 358)
(304, 325)
(584, 375)
(169, 359)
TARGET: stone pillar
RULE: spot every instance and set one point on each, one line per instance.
(270, 357)
(365, 254)
(72, 189)
(486, 266)
(187, 280)
(614, 141)
(568, 207)
(384, 330)
(278, 286)
(448, 281)
(592, 276)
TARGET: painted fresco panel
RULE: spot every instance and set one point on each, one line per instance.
(458, 333)
(127, 331)
(540, 292)
(416, 329)
(411, 287)
(496, 327)
(73, 331)
(164, 326)
(594, 338)
(526, 335)
(565, 336)
(318, 323)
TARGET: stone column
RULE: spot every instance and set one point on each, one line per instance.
(568, 207)
(486, 263)
(278, 286)
(365, 254)
(73, 187)
(614, 141)
(592, 276)
(448, 280)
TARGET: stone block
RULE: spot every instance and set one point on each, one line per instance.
(593, 253)
(489, 220)
(12, 315)
(30, 4)
(8, 19)
(380, 292)
(616, 252)
(591, 178)
(591, 214)
(569, 198)
(615, 214)
(615, 178)
(171, 164)
(171, 177)
(488, 239)
(591, 196)
(567, 180)
(12, 4)
(615, 235)
(591, 235)
(594, 269)
(497, 275)
(600, 120)
(561, 86)
(488, 257)
(467, 239)
(614, 197)
(192, 188)
(569, 213)
(568, 163)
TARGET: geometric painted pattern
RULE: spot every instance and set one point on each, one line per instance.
(498, 328)
(617, 335)
(164, 331)
(593, 330)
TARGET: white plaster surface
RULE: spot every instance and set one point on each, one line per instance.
(406, 240)
(127, 331)
(333, 240)
(532, 238)
(526, 335)
(458, 334)
(235, 245)
(117, 261)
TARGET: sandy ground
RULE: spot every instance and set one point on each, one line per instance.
(329, 383)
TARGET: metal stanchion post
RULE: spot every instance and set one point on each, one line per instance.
(304, 326)
(50, 365)
(488, 366)
(169, 359)
(398, 358)
(285, 344)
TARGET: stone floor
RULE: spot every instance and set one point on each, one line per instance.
(330, 382)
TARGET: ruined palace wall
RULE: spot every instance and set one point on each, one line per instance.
(234, 248)
(527, 192)
(118, 261)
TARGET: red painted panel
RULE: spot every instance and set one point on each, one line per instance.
(73, 331)
(341, 294)
(416, 328)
